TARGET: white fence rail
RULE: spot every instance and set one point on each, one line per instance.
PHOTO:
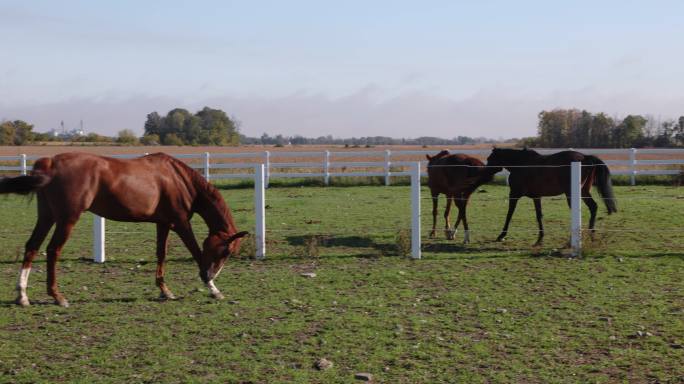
(387, 163)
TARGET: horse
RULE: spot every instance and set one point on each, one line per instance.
(535, 175)
(457, 176)
(156, 188)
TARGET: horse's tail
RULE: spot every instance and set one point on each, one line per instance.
(24, 184)
(603, 182)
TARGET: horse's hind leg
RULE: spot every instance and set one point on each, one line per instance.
(593, 208)
(54, 251)
(162, 248)
(40, 231)
(435, 199)
(462, 216)
(540, 216)
(448, 232)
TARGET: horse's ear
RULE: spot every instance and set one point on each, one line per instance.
(525, 148)
(237, 236)
(428, 157)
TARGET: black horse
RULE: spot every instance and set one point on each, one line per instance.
(534, 175)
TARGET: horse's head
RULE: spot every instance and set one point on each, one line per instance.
(438, 156)
(497, 159)
(217, 247)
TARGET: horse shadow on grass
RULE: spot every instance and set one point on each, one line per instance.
(361, 242)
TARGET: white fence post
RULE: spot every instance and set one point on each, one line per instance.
(632, 164)
(576, 208)
(207, 156)
(415, 211)
(260, 211)
(267, 167)
(24, 169)
(388, 157)
(326, 167)
(98, 239)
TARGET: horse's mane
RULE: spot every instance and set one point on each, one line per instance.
(208, 191)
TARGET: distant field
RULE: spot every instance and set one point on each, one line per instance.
(485, 312)
(50, 150)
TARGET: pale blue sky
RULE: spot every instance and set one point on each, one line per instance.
(353, 68)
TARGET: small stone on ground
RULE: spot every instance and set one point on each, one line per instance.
(323, 364)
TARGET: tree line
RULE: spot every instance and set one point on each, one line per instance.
(179, 127)
(281, 140)
(572, 128)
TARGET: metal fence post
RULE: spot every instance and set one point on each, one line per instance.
(260, 211)
(98, 239)
(24, 169)
(326, 167)
(207, 156)
(267, 168)
(388, 156)
(632, 164)
(415, 211)
(576, 208)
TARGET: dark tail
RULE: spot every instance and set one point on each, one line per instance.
(23, 184)
(603, 182)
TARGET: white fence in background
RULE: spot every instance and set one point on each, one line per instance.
(263, 167)
(327, 164)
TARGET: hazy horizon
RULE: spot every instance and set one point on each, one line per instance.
(395, 69)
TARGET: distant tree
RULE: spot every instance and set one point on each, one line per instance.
(207, 127)
(153, 124)
(679, 131)
(151, 139)
(127, 137)
(17, 132)
(629, 131)
(172, 139)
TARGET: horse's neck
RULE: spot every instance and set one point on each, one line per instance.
(214, 212)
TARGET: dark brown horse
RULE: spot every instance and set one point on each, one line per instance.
(457, 176)
(534, 175)
(155, 188)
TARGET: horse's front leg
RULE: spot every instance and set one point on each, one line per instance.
(538, 211)
(162, 249)
(184, 230)
(54, 251)
(512, 202)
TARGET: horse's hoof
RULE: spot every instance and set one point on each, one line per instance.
(432, 235)
(167, 296)
(62, 303)
(217, 295)
(501, 238)
(23, 301)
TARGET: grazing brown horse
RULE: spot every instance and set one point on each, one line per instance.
(457, 176)
(156, 188)
(534, 175)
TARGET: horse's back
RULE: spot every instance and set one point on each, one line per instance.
(452, 171)
(139, 189)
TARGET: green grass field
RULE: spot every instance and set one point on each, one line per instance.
(483, 312)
